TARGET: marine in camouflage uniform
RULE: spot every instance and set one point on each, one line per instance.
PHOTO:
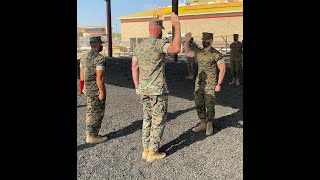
(207, 82)
(235, 59)
(191, 62)
(148, 67)
(90, 64)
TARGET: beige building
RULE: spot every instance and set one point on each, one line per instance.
(89, 31)
(84, 33)
(223, 18)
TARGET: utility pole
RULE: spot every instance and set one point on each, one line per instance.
(175, 6)
(78, 43)
(116, 35)
(109, 31)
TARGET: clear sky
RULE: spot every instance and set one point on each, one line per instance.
(93, 12)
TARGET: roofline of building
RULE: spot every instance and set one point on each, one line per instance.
(227, 6)
(229, 15)
(92, 26)
(221, 12)
(94, 33)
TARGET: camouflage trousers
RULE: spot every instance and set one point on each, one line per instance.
(205, 102)
(235, 68)
(95, 113)
(154, 119)
(190, 65)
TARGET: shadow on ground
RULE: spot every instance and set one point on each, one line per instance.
(133, 127)
(118, 73)
(189, 137)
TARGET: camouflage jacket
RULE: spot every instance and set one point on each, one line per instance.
(207, 65)
(151, 62)
(91, 62)
(236, 51)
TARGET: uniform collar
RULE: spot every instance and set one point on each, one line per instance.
(209, 51)
(93, 51)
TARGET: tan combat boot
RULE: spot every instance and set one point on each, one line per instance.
(237, 81)
(153, 156)
(233, 81)
(191, 77)
(145, 153)
(209, 129)
(95, 139)
(188, 77)
(200, 127)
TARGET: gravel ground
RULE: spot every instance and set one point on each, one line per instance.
(190, 155)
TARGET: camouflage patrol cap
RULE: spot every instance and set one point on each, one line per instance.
(207, 36)
(235, 35)
(156, 21)
(96, 39)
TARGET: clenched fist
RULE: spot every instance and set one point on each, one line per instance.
(175, 20)
(188, 36)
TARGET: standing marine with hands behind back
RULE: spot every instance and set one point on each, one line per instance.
(92, 68)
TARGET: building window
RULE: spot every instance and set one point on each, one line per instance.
(140, 40)
(133, 42)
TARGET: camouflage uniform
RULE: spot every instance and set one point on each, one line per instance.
(91, 62)
(236, 58)
(191, 61)
(206, 80)
(150, 55)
